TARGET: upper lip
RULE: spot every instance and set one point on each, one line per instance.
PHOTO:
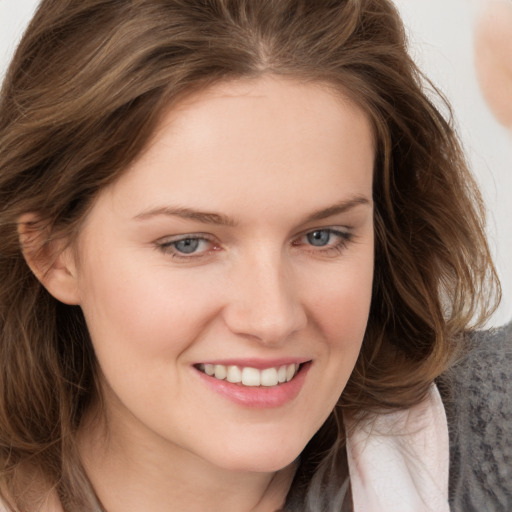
(258, 363)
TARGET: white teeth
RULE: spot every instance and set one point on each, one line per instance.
(234, 374)
(269, 377)
(220, 371)
(290, 372)
(252, 377)
(281, 374)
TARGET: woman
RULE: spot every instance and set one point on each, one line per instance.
(234, 235)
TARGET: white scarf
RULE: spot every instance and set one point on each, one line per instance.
(399, 462)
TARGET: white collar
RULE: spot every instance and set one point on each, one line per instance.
(399, 462)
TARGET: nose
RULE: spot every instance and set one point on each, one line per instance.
(264, 302)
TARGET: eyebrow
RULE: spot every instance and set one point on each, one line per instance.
(223, 220)
(336, 209)
(189, 214)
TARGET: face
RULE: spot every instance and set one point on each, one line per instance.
(239, 246)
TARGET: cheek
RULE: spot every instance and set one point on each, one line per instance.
(142, 309)
(341, 304)
(338, 309)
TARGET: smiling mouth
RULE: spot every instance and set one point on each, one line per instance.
(251, 377)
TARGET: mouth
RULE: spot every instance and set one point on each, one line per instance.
(247, 376)
(256, 384)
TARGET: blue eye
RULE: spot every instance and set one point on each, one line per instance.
(187, 245)
(325, 241)
(319, 238)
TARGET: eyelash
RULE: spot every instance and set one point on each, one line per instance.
(344, 238)
(169, 247)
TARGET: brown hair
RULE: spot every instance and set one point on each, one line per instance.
(81, 98)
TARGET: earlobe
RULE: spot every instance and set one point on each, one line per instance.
(51, 260)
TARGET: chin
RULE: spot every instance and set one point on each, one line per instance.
(259, 458)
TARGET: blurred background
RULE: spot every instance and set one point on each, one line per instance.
(444, 36)
(465, 47)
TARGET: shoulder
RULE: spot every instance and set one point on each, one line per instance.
(486, 368)
(479, 410)
(481, 382)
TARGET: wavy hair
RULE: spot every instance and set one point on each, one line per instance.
(81, 98)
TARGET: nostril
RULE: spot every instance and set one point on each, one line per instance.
(270, 325)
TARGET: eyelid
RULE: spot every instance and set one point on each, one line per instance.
(165, 245)
(343, 231)
(344, 236)
(176, 238)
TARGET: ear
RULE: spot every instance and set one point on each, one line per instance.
(51, 260)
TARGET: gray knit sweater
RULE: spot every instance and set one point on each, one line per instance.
(480, 423)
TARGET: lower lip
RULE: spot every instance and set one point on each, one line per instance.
(258, 397)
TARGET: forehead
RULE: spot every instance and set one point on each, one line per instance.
(265, 141)
(268, 99)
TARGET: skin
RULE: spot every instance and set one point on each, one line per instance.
(267, 154)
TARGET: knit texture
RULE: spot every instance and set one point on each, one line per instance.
(480, 424)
